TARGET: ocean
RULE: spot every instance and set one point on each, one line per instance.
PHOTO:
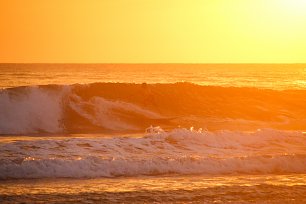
(152, 133)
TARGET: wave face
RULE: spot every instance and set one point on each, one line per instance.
(179, 151)
(121, 107)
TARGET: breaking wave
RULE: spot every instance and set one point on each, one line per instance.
(179, 151)
(121, 107)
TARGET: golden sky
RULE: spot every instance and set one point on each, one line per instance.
(153, 31)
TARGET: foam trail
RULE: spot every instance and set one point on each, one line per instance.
(180, 151)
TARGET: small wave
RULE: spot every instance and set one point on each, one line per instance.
(92, 167)
(179, 151)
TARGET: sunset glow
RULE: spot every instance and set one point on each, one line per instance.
(198, 31)
(153, 101)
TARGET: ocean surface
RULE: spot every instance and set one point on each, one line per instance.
(153, 133)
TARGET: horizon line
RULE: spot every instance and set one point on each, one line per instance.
(140, 63)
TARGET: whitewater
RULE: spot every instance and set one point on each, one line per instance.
(179, 151)
(114, 133)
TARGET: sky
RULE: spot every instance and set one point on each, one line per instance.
(153, 31)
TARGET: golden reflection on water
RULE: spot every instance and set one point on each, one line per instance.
(133, 184)
(275, 76)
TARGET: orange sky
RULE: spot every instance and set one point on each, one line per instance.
(153, 31)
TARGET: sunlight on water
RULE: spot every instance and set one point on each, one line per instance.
(277, 76)
(179, 151)
(181, 189)
(132, 143)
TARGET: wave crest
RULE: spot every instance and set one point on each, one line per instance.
(116, 107)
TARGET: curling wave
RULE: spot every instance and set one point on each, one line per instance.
(122, 107)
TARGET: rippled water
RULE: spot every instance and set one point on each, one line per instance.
(86, 143)
(275, 76)
(159, 189)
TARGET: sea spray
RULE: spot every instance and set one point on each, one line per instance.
(122, 108)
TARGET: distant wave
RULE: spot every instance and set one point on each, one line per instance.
(179, 151)
(121, 107)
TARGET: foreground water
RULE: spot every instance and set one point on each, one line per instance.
(180, 166)
(179, 151)
(289, 188)
(85, 140)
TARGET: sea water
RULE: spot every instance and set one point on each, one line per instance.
(152, 133)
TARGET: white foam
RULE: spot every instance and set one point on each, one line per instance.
(109, 114)
(180, 151)
(30, 110)
(36, 109)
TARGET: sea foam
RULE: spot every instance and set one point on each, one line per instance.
(179, 151)
(31, 110)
